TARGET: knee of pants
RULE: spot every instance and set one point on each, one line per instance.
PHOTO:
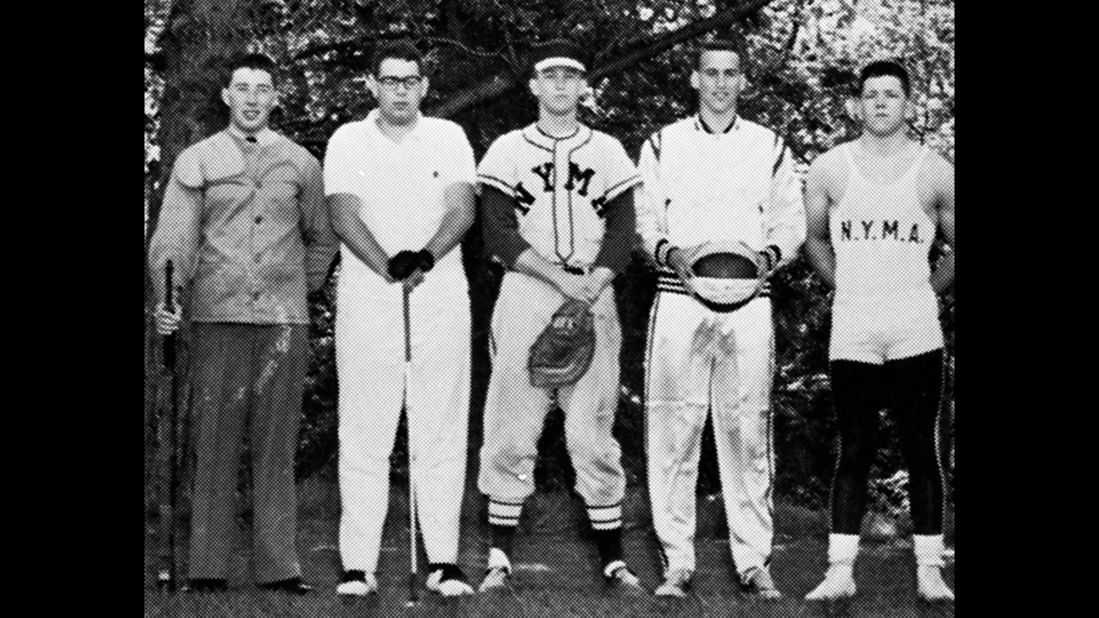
(510, 459)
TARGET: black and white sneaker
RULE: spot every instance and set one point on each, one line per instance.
(357, 584)
(448, 580)
(620, 578)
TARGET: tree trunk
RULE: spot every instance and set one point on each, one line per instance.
(200, 35)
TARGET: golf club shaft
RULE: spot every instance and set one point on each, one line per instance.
(411, 458)
(167, 577)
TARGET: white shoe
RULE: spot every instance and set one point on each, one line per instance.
(357, 584)
(498, 574)
(676, 583)
(620, 578)
(930, 585)
(454, 584)
(839, 583)
(757, 582)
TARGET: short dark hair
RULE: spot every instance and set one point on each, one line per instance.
(884, 68)
(399, 50)
(254, 61)
(729, 45)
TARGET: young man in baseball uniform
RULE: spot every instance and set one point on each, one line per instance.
(874, 206)
(711, 177)
(400, 190)
(244, 224)
(558, 212)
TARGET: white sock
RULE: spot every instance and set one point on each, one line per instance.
(928, 549)
(842, 548)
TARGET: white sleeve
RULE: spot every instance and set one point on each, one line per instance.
(340, 173)
(786, 207)
(652, 223)
(620, 172)
(497, 168)
(460, 164)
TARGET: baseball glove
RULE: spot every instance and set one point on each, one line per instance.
(563, 351)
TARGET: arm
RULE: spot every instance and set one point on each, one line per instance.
(614, 254)
(344, 208)
(942, 278)
(317, 235)
(502, 239)
(177, 233)
(786, 224)
(818, 242)
(651, 205)
(460, 213)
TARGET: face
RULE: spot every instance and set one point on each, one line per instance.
(250, 97)
(718, 80)
(882, 105)
(399, 88)
(558, 89)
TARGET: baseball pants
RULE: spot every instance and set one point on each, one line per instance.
(515, 411)
(700, 361)
(242, 370)
(370, 364)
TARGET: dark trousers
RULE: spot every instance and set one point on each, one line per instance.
(244, 373)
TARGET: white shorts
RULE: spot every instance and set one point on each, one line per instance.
(883, 328)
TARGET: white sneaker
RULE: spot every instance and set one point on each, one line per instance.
(454, 585)
(620, 578)
(930, 585)
(757, 582)
(676, 583)
(357, 584)
(498, 573)
(839, 583)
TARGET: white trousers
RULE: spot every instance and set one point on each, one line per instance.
(701, 361)
(515, 411)
(370, 366)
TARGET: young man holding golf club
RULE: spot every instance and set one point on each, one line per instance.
(400, 191)
(245, 225)
(559, 214)
(875, 205)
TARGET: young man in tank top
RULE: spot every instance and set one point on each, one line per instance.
(874, 206)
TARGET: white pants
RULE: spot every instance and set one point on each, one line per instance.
(700, 360)
(370, 367)
(515, 411)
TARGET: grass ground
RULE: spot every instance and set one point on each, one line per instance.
(557, 574)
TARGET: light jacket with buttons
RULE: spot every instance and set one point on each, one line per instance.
(246, 227)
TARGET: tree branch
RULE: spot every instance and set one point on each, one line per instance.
(497, 84)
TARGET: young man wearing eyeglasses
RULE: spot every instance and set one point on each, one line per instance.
(400, 190)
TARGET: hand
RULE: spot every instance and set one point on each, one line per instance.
(167, 322)
(762, 265)
(572, 286)
(426, 260)
(413, 280)
(678, 261)
(401, 265)
(595, 281)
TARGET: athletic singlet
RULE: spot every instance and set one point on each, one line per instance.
(881, 236)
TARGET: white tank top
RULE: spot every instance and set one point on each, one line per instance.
(881, 236)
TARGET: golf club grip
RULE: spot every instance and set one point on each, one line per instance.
(169, 340)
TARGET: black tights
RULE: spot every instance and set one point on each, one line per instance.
(911, 388)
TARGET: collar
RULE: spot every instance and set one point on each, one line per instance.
(263, 137)
(700, 125)
(533, 134)
(414, 133)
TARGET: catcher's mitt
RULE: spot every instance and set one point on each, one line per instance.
(726, 275)
(563, 351)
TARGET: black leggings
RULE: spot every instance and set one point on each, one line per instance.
(911, 388)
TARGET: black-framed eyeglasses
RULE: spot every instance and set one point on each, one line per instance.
(410, 81)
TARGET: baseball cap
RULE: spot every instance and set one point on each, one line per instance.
(560, 53)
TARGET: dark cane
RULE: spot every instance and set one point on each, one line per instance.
(166, 578)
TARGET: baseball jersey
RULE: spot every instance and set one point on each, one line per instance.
(560, 187)
(700, 186)
(401, 186)
(881, 234)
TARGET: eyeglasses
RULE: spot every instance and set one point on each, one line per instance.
(391, 82)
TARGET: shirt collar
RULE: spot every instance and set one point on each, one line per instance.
(264, 137)
(534, 134)
(415, 133)
(700, 125)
